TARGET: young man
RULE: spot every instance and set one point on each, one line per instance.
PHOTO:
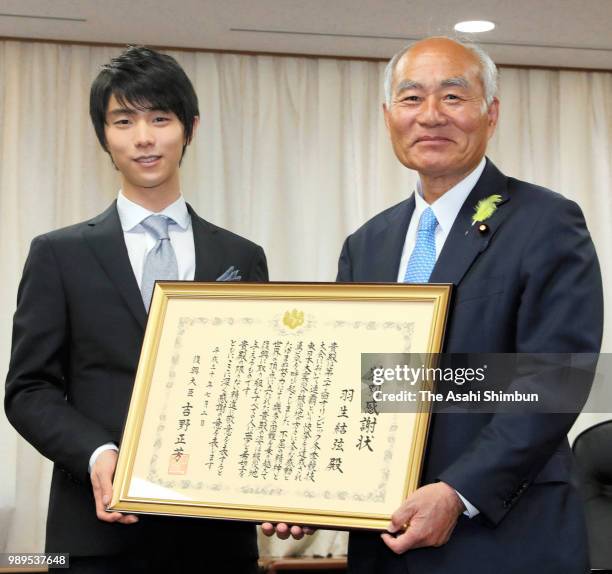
(81, 313)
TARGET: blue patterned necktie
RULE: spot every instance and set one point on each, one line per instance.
(160, 263)
(423, 257)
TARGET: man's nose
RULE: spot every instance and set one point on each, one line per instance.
(143, 135)
(431, 113)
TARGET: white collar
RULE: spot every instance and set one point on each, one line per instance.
(132, 214)
(447, 206)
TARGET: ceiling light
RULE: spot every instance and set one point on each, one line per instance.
(474, 26)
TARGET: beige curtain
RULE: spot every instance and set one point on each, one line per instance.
(291, 152)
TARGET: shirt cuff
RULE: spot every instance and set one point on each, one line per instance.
(470, 510)
(109, 446)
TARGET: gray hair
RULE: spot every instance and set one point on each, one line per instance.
(488, 69)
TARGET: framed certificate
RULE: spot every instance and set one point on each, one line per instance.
(248, 403)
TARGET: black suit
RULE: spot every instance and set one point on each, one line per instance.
(77, 335)
(531, 284)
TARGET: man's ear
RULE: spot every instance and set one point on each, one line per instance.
(492, 116)
(196, 123)
(386, 114)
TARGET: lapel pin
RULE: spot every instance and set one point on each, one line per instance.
(484, 209)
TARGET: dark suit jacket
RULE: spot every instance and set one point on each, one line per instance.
(531, 284)
(77, 335)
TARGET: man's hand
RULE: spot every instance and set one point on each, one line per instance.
(102, 481)
(427, 517)
(283, 531)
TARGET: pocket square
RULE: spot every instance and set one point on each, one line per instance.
(231, 274)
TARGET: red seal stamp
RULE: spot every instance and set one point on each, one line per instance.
(178, 464)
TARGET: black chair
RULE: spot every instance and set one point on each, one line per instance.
(593, 451)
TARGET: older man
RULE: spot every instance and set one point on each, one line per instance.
(496, 493)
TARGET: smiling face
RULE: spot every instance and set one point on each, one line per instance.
(438, 119)
(146, 147)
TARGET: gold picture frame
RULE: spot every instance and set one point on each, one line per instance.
(243, 397)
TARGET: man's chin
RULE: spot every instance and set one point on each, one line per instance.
(430, 167)
(148, 184)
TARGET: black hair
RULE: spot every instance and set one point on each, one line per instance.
(147, 80)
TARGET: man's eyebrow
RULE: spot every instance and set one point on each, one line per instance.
(457, 82)
(121, 112)
(407, 85)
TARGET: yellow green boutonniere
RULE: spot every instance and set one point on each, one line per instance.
(484, 209)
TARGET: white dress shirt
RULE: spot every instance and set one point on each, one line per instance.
(139, 242)
(445, 208)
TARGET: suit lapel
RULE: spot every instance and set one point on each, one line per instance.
(105, 237)
(465, 242)
(390, 240)
(208, 254)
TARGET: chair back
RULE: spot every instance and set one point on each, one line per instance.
(593, 452)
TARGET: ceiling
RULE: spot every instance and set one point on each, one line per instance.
(557, 33)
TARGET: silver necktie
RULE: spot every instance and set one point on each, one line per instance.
(160, 263)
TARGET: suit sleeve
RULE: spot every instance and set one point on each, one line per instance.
(36, 398)
(345, 270)
(258, 270)
(561, 311)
